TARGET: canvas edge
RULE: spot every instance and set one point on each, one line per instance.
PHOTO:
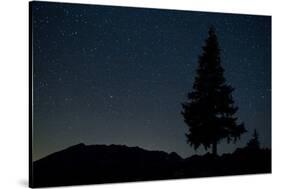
(30, 95)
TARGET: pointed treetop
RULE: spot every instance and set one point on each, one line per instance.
(212, 30)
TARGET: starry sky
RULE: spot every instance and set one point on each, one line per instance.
(117, 75)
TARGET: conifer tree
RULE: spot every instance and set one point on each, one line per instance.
(254, 142)
(209, 111)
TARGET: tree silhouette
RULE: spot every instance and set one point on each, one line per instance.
(254, 142)
(209, 110)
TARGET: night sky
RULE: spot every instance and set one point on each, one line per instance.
(112, 75)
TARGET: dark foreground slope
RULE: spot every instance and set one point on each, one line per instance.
(81, 164)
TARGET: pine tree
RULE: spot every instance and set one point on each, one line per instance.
(209, 111)
(254, 142)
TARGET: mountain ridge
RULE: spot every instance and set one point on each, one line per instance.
(83, 145)
(99, 163)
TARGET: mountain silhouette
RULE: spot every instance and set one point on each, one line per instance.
(93, 164)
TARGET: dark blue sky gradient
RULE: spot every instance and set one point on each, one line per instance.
(106, 75)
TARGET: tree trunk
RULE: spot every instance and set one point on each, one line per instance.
(214, 148)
